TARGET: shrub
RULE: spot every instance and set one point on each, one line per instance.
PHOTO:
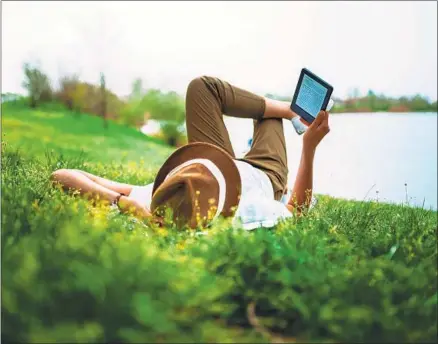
(132, 114)
(173, 133)
(166, 107)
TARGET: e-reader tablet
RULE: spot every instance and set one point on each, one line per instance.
(311, 96)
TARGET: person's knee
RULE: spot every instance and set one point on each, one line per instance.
(195, 85)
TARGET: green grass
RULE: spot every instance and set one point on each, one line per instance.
(43, 130)
(77, 272)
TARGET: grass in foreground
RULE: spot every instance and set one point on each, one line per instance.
(77, 272)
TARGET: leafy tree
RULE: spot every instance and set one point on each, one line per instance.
(169, 109)
(419, 103)
(79, 96)
(67, 90)
(164, 106)
(133, 113)
(37, 84)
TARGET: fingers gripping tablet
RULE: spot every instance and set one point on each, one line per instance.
(311, 96)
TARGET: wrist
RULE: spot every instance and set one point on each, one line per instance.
(119, 200)
(308, 150)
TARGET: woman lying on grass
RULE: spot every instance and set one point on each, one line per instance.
(204, 179)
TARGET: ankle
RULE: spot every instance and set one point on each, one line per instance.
(277, 109)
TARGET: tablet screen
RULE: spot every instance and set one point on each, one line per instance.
(311, 96)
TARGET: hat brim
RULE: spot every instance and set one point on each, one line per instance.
(223, 160)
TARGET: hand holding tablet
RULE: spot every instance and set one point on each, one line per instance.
(312, 95)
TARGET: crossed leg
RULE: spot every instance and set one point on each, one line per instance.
(208, 98)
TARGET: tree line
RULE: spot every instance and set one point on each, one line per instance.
(96, 99)
(372, 102)
(168, 107)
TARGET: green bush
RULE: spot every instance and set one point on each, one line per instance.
(173, 133)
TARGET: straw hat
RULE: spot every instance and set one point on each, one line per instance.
(198, 182)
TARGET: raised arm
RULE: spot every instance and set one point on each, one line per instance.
(302, 191)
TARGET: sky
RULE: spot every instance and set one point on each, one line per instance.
(389, 47)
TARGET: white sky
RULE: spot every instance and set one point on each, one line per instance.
(390, 47)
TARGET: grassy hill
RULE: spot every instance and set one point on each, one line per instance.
(73, 271)
(53, 128)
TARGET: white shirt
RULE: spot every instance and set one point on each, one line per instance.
(257, 206)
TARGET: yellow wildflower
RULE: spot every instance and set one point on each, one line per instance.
(162, 232)
(333, 230)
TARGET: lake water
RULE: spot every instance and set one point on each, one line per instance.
(366, 156)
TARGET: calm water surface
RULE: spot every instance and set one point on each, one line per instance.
(366, 156)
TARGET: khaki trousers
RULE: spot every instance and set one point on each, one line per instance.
(208, 98)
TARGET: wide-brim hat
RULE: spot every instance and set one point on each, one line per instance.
(169, 182)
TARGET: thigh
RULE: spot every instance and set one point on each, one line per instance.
(204, 118)
(109, 184)
(268, 152)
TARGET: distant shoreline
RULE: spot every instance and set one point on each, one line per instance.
(372, 103)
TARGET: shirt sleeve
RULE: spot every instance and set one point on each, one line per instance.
(143, 194)
(260, 213)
